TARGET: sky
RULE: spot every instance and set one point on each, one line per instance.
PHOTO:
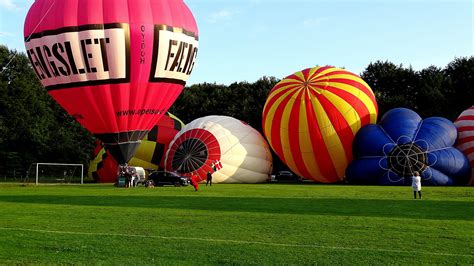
(244, 40)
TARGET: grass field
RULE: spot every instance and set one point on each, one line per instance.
(236, 224)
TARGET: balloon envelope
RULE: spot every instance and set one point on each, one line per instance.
(238, 152)
(310, 119)
(465, 142)
(390, 152)
(115, 65)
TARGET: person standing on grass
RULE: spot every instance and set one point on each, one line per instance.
(416, 184)
(209, 178)
(194, 181)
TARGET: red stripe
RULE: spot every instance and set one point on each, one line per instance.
(465, 128)
(339, 72)
(358, 105)
(464, 140)
(320, 149)
(295, 144)
(276, 125)
(321, 69)
(355, 84)
(292, 76)
(305, 73)
(465, 117)
(342, 127)
(275, 97)
(269, 104)
(468, 151)
(295, 80)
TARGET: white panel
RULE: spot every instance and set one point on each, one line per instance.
(101, 48)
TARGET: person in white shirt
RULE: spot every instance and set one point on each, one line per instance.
(416, 184)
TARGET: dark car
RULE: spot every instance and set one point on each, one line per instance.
(161, 178)
(286, 176)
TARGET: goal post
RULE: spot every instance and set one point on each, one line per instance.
(61, 165)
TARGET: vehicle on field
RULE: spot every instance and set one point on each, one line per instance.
(138, 176)
(161, 178)
(286, 176)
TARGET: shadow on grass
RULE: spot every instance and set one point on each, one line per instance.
(416, 209)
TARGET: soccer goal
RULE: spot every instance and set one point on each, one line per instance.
(59, 173)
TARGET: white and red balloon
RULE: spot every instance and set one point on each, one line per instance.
(239, 153)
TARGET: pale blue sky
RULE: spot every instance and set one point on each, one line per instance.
(243, 40)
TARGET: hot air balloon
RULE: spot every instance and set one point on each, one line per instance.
(150, 154)
(465, 142)
(390, 152)
(230, 149)
(310, 119)
(114, 65)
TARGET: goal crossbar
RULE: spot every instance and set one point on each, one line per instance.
(60, 164)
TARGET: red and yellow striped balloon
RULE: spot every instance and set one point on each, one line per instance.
(311, 117)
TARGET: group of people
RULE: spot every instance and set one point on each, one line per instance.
(128, 173)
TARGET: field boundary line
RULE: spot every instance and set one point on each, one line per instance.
(234, 241)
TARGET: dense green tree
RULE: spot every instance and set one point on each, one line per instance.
(242, 100)
(432, 89)
(460, 75)
(33, 127)
(394, 86)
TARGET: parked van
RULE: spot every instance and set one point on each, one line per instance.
(138, 176)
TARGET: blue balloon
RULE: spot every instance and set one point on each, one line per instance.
(390, 152)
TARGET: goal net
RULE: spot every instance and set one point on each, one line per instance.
(57, 173)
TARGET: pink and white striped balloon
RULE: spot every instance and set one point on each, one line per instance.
(465, 142)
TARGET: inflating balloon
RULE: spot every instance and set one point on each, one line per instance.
(390, 152)
(150, 154)
(465, 142)
(116, 66)
(230, 149)
(103, 168)
(310, 119)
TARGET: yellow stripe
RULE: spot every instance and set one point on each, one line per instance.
(346, 110)
(145, 151)
(284, 132)
(311, 75)
(331, 139)
(95, 162)
(353, 78)
(289, 87)
(324, 74)
(306, 148)
(271, 115)
(176, 118)
(370, 105)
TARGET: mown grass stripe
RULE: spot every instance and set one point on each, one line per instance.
(237, 242)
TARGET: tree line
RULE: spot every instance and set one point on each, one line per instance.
(33, 128)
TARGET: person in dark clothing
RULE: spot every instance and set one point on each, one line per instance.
(209, 178)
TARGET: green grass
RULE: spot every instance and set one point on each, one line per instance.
(236, 224)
